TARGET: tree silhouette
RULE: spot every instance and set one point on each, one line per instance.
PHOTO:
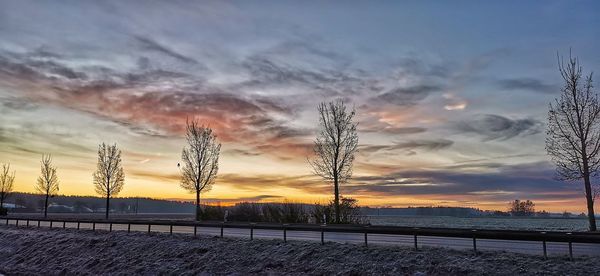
(521, 207)
(573, 135)
(47, 182)
(200, 161)
(109, 177)
(335, 146)
(6, 183)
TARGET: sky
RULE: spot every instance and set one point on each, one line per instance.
(451, 96)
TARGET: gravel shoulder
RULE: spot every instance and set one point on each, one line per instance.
(71, 252)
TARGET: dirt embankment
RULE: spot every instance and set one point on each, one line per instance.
(70, 252)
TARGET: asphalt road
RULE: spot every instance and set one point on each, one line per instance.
(528, 247)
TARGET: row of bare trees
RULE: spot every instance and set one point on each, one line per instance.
(47, 182)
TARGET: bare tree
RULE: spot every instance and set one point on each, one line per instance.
(335, 146)
(6, 183)
(573, 135)
(200, 161)
(109, 177)
(47, 182)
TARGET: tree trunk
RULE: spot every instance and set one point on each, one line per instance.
(588, 188)
(46, 207)
(107, 204)
(590, 202)
(336, 200)
(198, 210)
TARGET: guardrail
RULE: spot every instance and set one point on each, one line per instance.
(474, 234)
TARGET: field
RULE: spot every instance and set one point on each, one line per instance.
(512, 223)
(70, 252)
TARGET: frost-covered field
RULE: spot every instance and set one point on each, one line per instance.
(70, 252)
(547, 224)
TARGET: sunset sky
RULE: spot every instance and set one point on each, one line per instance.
(451, 96)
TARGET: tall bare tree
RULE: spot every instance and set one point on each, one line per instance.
(6, 183)
(573, 135)
(109, 177)
(200, 160)
(47, 182)
(335, 146)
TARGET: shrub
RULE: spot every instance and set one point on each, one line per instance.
(349, 212)
(212, 212)
(246, 211)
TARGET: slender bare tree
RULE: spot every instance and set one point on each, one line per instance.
(6, 183)
(47, 182)
(200, 161)
(335, 146)
(573, 135)
(109, 177)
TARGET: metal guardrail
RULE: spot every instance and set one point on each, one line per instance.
(474, 234)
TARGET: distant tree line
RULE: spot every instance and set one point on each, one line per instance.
(34, 202)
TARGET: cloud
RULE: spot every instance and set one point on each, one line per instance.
(496, 127)
(453, 102)
(257, 198)
(533, 181)
(16, 104)
(267, 181)
(407, 96)
(149, 44)
(392, 130)
(242, 152)
(149, 103)
(530, 84)
(409, 147)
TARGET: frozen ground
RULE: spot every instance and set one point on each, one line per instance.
(58, 251)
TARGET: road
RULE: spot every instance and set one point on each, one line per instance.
(528, 247)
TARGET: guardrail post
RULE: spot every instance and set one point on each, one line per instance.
(570, 247)
(474, 241)
(128, 227)
(78, 224)
(366, 242)
(322, 234)
(544, 245)
(6, 221)
(415, 240)
(64, 224)
(50, 224)
(38, 223)
(110, 227)
(149, 225)
(93, 226)
(17, 223)
(222, 224)
(171, 229)
(27, 223)
(195, 230)
(284, 233)
(251, 231)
